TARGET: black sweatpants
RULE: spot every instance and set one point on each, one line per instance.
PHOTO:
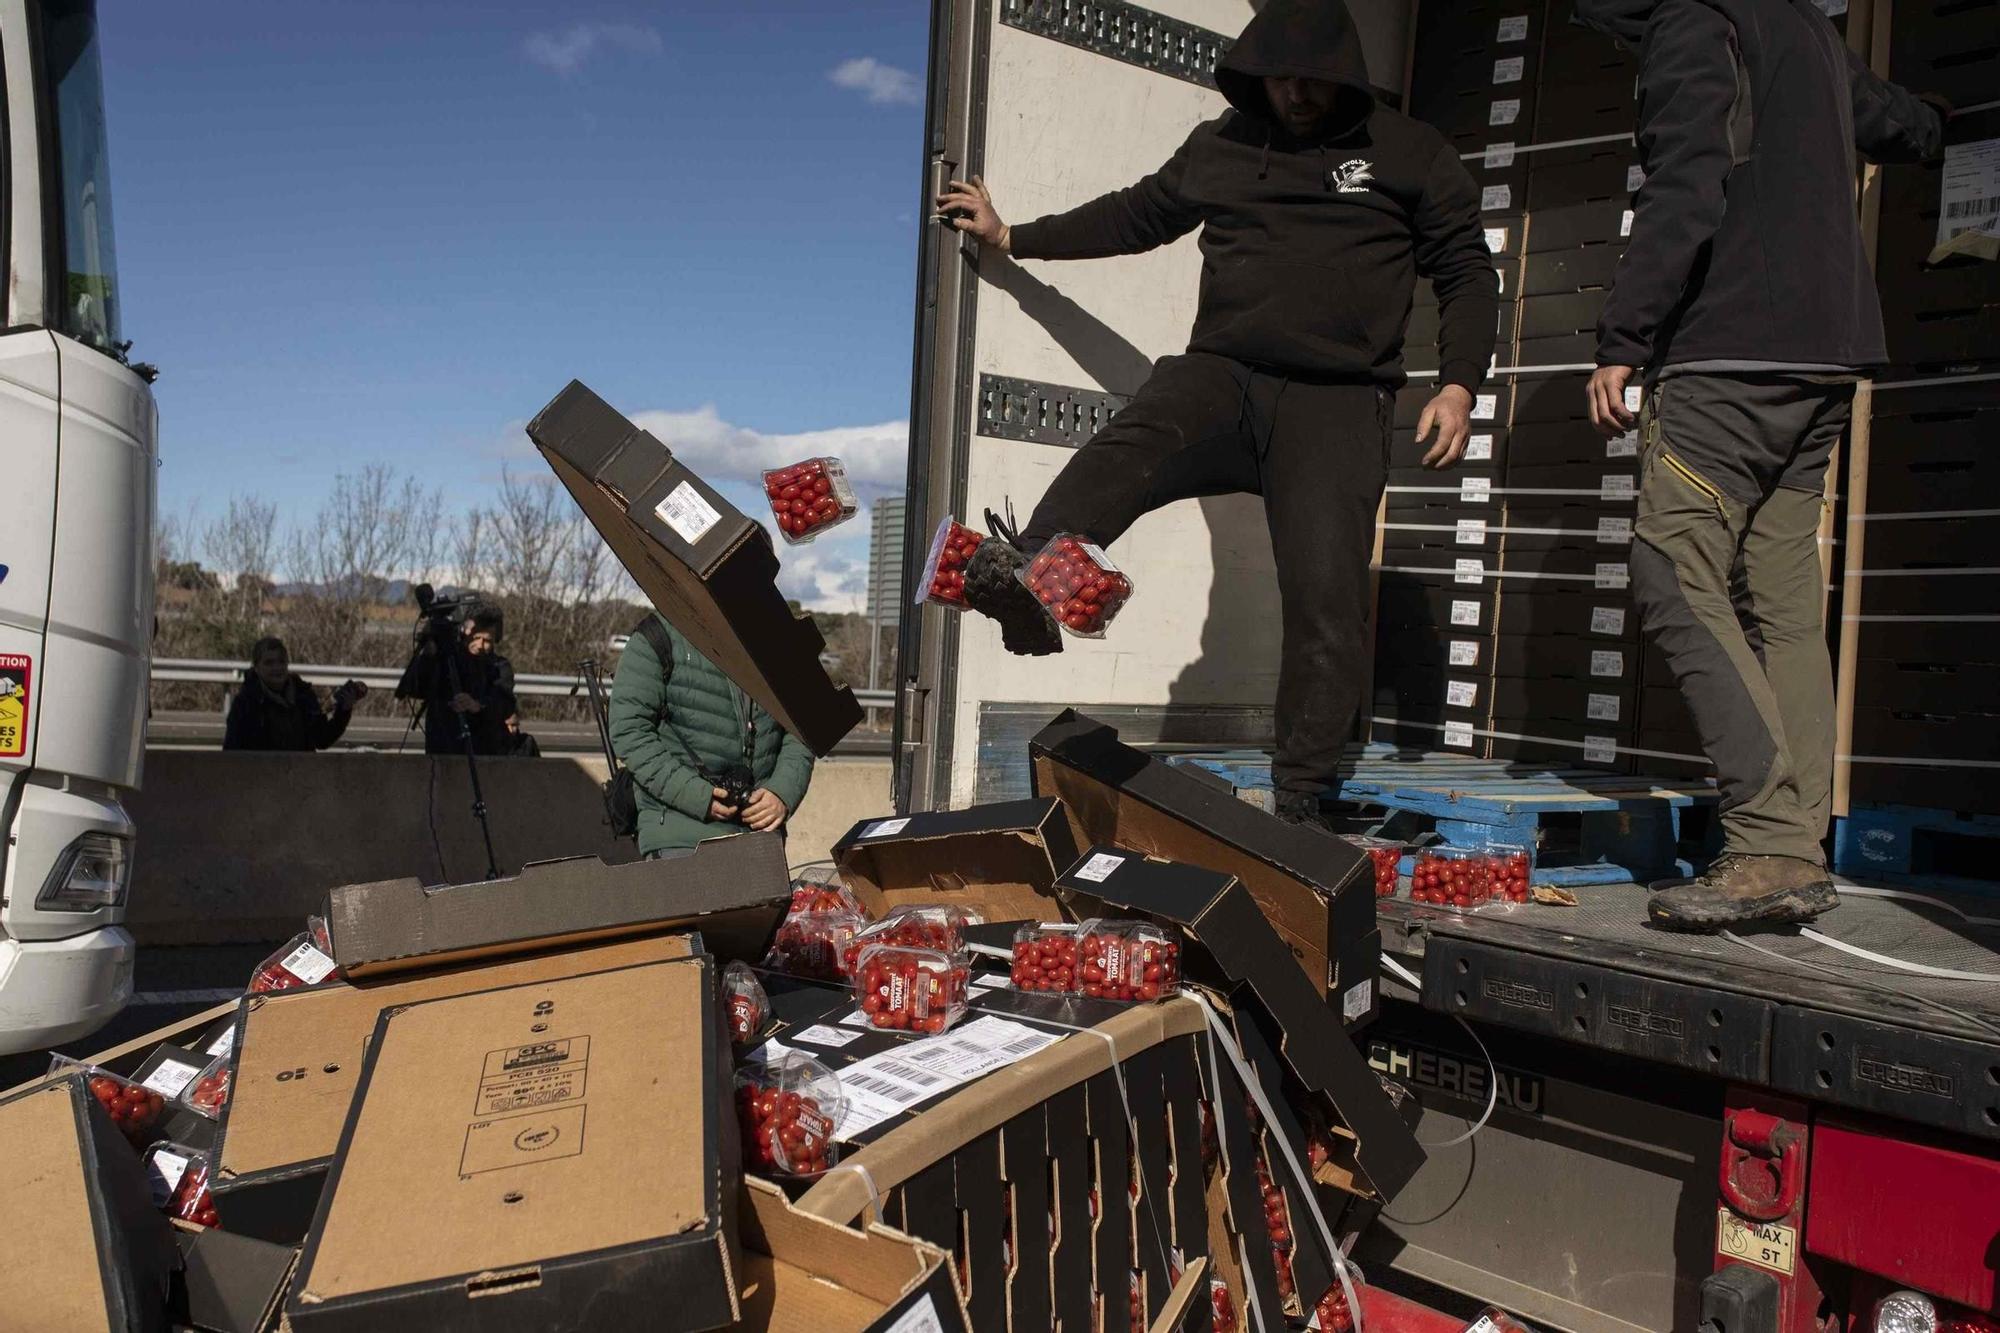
(1318, 454)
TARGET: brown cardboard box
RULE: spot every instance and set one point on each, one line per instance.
(706, 565)
(996, 860)
(91, 1251)
(555, 1154)
(733, 889)
(299, 1057)
(804, 1274)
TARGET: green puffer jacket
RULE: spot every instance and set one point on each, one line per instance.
(665, 722)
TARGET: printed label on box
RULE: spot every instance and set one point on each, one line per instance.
(1613, 574)
(1485, 406)
(1097, 553)
(1607, 620)
(170, 1077)
(1605, 662)
(1505, 111)
(1099, 867)
(307, 964)
(687, 513)
(1460, 693)
(1472, 532)
(1510, 69)
(1463, 652)
(1602, 708)
(919, 1318)
(1458, 735)
(1355, 1000)
(819, 1034)
(1475, 490)
(1498, 155)
(1615, 531)
(1468, 571)
(1479, 449)
(224, 1043)
(1617, 486)
(1969, 199)
(1625, 223)
(1496, 196)
(540, 1135)
(1465, 613)
(1600, 750)
(1634, 395)
(1513, 28)
(1634, 177)
(1496, 239)
(1622, 446)
(886, 1084)
(164, 1171)
(541, 1073)
(882, 828)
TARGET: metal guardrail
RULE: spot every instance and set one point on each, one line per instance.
(188, 670)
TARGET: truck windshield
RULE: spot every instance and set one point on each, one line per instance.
(87, 302)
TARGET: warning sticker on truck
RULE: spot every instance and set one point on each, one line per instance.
(1765, 1244)
(16, 671)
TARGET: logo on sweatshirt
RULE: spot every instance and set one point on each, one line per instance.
(1352, 176)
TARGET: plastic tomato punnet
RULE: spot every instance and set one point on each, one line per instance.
(809, 497)
(209, 1092)
(789, 1108)
(944, 569)
(1455, 877)
(814, 945)
(1386, 856)
(744, 1000)
(298, 962)
(916, 926)
(1078, 584)
(1513, 868)
(179, 1177)
(134, 1108)
(819, 888)
(1044, 959)
(1126, 961)
(911, 989)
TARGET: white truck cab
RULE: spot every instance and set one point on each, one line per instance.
(78, 431)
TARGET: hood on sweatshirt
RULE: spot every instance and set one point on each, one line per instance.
(1625, 20)
(1299, 39)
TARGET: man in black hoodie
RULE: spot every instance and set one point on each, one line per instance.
(1318, 209)
(1745, 302)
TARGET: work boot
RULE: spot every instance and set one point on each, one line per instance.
(1304, 807)
(1739, 889)
(992, 589)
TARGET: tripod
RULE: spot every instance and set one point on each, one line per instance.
(450, 656)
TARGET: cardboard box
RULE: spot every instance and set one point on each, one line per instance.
(1429, 737)
(996, 860)
(709, 568)
(1609, 708)
(1492, 405)
(92, 1251)
(1428, 694)
(1609, 618)
(1572, 226)
(229, 1283)
(1562, 272)
(1604, 531)
(1405, 601)
(1488, 444)
(1233, 950)
(1318, 892)
(1583, 172)
(299, 1059)
(1928, 45)
(1551, 399)
(1565, 657)
(1561, 443)
(1559, 744)
(557, 1154)
(734, 890)
(804, 1274)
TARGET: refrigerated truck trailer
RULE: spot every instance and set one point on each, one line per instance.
(1684, 1132)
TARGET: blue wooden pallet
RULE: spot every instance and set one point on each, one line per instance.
(1628, 830)
(1893, 844)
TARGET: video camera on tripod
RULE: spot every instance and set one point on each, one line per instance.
(439, 622)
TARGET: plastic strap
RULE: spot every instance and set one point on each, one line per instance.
(1901, 965)
(1409, 978)
(1566, 143)
(1905, 895)
(867, 1179)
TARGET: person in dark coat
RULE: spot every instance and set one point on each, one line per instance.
(1318, 209)
(276, 710)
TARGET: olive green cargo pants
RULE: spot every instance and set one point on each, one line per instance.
(1726, 573)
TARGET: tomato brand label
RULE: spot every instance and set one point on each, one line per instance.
(1097, 553)
(899, 992)
(1766, 1244)
(541, 1073)
(16, 674)
(687, 513)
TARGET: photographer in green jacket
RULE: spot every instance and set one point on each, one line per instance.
(688, 734)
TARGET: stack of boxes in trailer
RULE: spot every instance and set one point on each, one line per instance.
(1920, 606)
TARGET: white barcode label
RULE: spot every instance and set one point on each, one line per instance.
(1472, 532)
(170, 1077)
(1504, 111)
(164, 1170)
(857, 1019)
(1607, 620)
(1625, 223)
(1634, 178)
(307, 964)
(1513, 28)
(1606, 663)
(836, 476)
(1458, 735)
(224, 1043)
(1463, 652)
(819, 1034)
(1475, 490)
(1510, 69)
(1355, 1000)
(1500, 276)
(1969, 198)
(1600, 750)
(1498, 155)
(1622, 446)
(687, 513)
(919, 1318)
(1460, 693)
(1496, 239)
(1099, 867)
(1617, 486)
(882, 828)
(1097, 553)
(1485, 406)
(1496, 196)
(1634, 395)
(1612, 574)
(1465, 614)
(1468, 571)
(1614, 531)
(1479, 449)
(1602, 708)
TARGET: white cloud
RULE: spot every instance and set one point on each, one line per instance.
(568, 50)
(884, 85)
(876, 456)
(831, 573)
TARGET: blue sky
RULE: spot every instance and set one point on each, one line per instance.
(387, 233)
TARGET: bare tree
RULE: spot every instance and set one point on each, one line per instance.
(370, 526)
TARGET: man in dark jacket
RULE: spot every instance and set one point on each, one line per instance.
(1745, 303)
(1318, 209)
(276, 710)
(485, 686)
(682, 727)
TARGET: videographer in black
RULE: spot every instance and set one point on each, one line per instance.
(458, 672)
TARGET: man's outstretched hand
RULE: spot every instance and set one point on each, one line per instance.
(1449, 416)
(981, 221)
(1606, 392)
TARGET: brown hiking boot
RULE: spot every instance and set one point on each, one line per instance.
(1739, 889)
